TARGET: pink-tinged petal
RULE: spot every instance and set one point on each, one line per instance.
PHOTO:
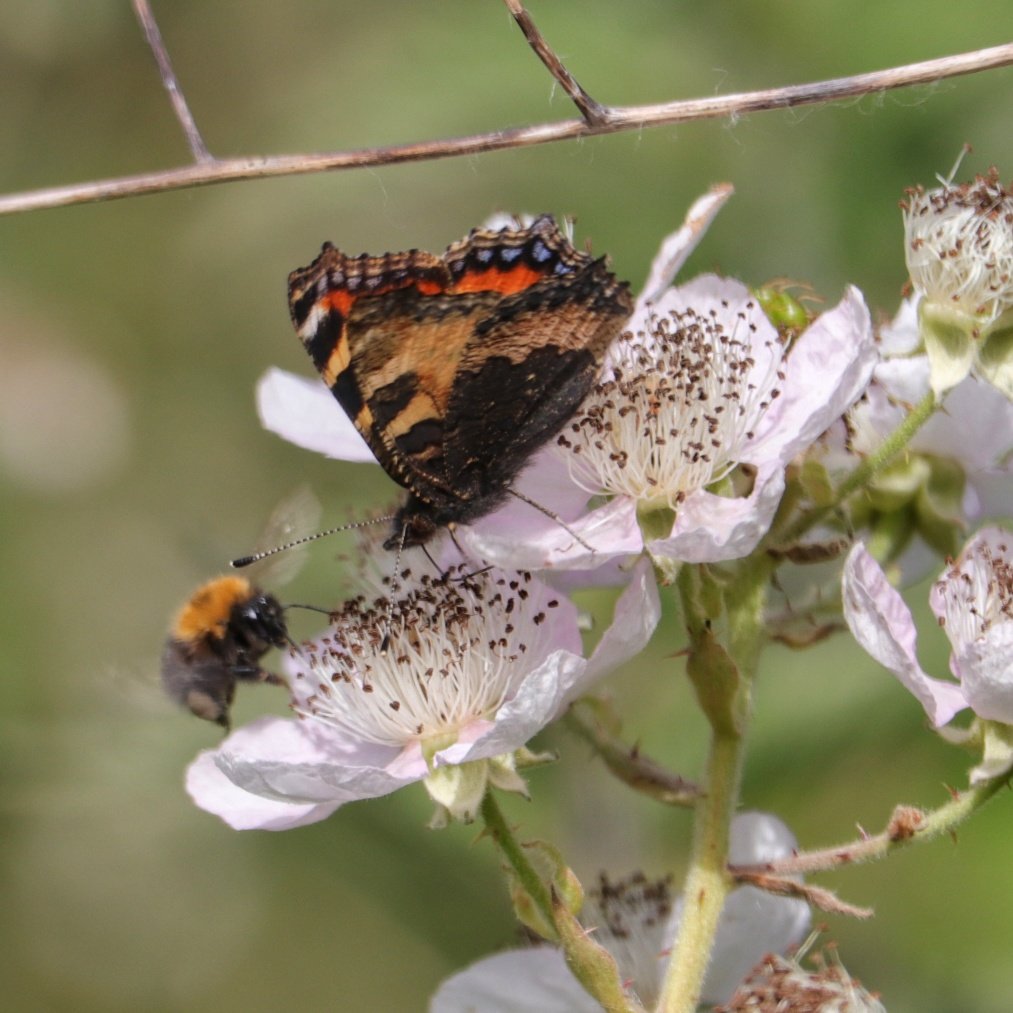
(536, 542)
(827, 369)
(535, 980)
(304, 412)
(986, 672)
(883, 626)
(289, 762)
(974, 427)
(636, 615)
(538, 700)
(677, 246)
(993, 493)
(902, 336)
(312, 782)
(546, 480)
(710, 529)
(212, 791)
(905, 382)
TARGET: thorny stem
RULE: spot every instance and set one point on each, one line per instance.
(499, 830)
(907, 826)
(865, 471)
(620, 118)
(639, 772)
(708, 883)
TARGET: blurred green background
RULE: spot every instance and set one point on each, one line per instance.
(132, 466)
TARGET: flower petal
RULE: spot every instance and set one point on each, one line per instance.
(289, 761)
(709, 528)
(986, 673)
(828, 368)
(677, 246)
(534, 980)
(519, 537)
(882, 624)
(537, 701)
(636, 615)
(305, 413)
(215, 793)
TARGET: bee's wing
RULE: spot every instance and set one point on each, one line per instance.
(295, 517)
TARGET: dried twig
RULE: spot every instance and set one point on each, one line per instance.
(594, 112)
(817, 896)
(620, 118)
(179, 106)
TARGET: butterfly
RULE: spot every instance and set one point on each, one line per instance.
(456, 367)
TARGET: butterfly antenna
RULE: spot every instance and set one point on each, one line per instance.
(389, 617)
(551, 513)
(242, 561)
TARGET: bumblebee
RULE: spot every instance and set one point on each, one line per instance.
(220, 635)
(217, 640)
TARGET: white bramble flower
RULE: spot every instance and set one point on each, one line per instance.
(955, 472)
(973, 601)
(687, 436)
(959, 251)
(636, 922)
(442, 684)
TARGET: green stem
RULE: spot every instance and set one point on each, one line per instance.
(513, 852)
(865, 471)
(889, 448)
(722, 677)
(907, 827)
(708, 883)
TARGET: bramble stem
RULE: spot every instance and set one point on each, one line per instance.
(708, 882)
(500, 831)
(907, 826)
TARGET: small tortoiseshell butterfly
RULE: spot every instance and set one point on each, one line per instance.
(456, 368)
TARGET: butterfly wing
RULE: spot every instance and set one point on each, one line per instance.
(455, 368)
(386, 340)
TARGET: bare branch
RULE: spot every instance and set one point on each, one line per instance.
(179, 106)
(620, 118)
(594, 112)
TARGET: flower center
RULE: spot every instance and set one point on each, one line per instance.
(682, 400)
(631, 917)
(959, 245)
(457, 646)
(979, 592)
